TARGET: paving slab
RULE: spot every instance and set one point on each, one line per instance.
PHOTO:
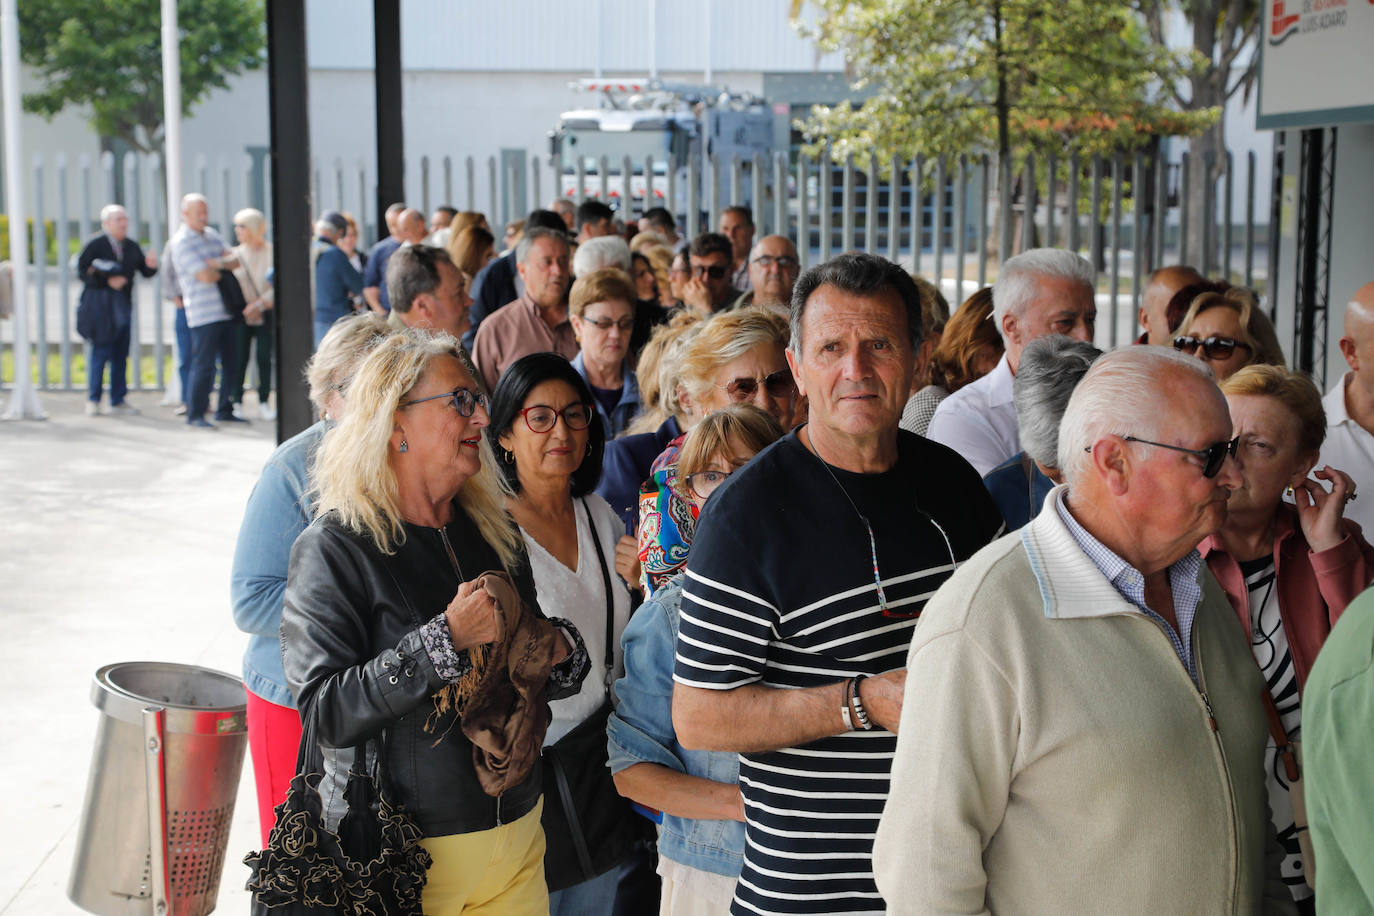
(116, 545)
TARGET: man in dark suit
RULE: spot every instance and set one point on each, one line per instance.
(112, 244)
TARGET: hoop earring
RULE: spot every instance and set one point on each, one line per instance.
(404, 447)
(507, 456)
(589, 449)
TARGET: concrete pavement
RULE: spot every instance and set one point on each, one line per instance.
(116, 545)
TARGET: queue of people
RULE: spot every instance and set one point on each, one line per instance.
(746, 541)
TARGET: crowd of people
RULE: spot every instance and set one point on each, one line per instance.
(750, 511)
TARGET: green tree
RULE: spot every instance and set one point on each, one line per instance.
(108, 54)
(952, 77)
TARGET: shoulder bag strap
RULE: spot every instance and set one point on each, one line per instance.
(1285, 747)
(610, 599)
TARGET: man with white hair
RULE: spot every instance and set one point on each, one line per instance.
(1038, 292)
(109, 261)
(1349, 405)
(200, 255)
(1084, 720)
(602, 251)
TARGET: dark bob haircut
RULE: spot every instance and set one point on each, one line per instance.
(861, 275)
(515, 384)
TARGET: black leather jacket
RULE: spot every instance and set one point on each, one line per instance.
(355, 660)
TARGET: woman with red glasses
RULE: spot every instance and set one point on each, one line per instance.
(1228, 331)
(549, 443)
(1289, 569)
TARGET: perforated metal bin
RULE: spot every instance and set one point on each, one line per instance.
(160, 797)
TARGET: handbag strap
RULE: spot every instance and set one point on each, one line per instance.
(1285, 747)
(579, 839)
(610, 599)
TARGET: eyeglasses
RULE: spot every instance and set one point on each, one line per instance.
(703, 483)
(779, 385)
(541, 418)
(1212, 347)
(465, 400)
(784, 262)
(715, 272)
(605, 324)
(1213, 456)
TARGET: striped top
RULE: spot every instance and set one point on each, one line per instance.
(780, 592)
(190, 250)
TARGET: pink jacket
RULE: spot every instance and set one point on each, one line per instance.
(1314, 587)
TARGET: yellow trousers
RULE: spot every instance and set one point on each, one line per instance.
(489, 872)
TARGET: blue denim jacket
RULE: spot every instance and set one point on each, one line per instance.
(641, 731)
(277, 513)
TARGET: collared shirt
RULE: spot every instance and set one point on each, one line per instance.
(517, 330)
(1349, 447)
(374, 274)
(979, 420)
(1130, 583)
(626, 407)
(190, 250)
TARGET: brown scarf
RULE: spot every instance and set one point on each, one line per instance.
(501, 700)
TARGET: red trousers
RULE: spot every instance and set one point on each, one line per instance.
(274, 736)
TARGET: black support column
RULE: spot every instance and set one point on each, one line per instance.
(289, 97)
(390, 139)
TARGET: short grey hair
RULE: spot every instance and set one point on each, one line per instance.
(110, 210)
(193, 198)
(1121, 395)
(862, 275)
(342, 349)
(1015, 288)
(604, 251)
(522, 248)
(412, 271)
(325, 229)
(1051, 367)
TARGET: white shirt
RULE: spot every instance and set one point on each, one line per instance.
(580, 596)
(979, 420)
(1349, 447)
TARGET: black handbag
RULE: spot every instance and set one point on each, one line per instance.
(373, 865)
(231, 294)
(589, 827)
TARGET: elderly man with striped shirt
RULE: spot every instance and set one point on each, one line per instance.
(199, 255)
(809, 570)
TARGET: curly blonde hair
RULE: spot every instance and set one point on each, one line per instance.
(352, 475)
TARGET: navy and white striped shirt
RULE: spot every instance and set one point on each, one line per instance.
(190, 250)
(779, 592)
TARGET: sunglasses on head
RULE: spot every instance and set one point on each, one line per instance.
(715, 272)
(1212, 347)
(779, 385)
(465, 400)
(1213, 456)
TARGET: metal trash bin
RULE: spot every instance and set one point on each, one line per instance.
(168, 756)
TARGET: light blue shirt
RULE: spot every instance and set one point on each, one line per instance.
(1130, 583)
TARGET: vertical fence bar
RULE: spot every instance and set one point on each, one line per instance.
(581, 179)
(1230, 202)
(736, 196)
(339, 173)
(760, 208)
(424, 185)
(63, 274)
(894, 209)
(535, 182)
(960, 230)
(509, 178)
(470, 169)
(226, 195)
(1117, 168)
(156, 235)
(670, 196)
(1271, 277)
(1051, 175)
(1004, 208)
(1250, 219)
(364, 230)
(448, 179)
(693, 178)
(872, 208)
(1183, 208)
(825, 205)
(649, 201)
(107, 167)
(918, 210)
(983, 194)
(1071, 212)
(1095, 215)
(133, 188)
(780, 196)
(713, 173)
(1161, 220)
(40, 270)
(1028, 205)
(1209, 214)
(1137, 227)
(803, 216)
(938, 222)
(492, 184)
(86, 222)
(847, 214)
(627, 188)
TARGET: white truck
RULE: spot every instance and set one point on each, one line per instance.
(671, 125)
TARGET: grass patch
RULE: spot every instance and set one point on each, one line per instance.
(146, 368)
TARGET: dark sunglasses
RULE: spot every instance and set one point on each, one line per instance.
(1213, 456)
(541, 418)
(1212, 347)
(465, 400)
(715, 272)
(779, 385)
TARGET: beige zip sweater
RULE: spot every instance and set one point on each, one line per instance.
(1055, 757)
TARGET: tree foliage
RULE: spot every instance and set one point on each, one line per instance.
(107, 54)
(955, 76)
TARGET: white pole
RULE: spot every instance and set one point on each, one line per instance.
(171, 135)
(23, 399)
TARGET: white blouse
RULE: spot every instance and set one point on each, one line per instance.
(580, 596)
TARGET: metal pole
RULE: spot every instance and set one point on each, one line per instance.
(693, 194)
(491, 184)
(1161, 167)
(984, 166)
(1051, 174)
(918, 213)
(1183, 209)
(1028, 206)
(872, 218)
(390, 140)
(780, 195)
(40, 272)
(803, 217)
(961, 230)
(1250, 219)
(627, 188)
(847, 214)
(825, 206)
(155, 239)
(448, 179)
(173, 160)
(938, 223)
(1229, 198)
(471, 173)
(737, 181)
(1095, 215)
(894, 209)
(63, 275)
(536, 182)
(1071, 210)
(1004, 241)
(760, 211)
(1117, 167)
(1137, 228)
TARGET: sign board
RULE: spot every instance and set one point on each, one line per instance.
(1316, 68)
